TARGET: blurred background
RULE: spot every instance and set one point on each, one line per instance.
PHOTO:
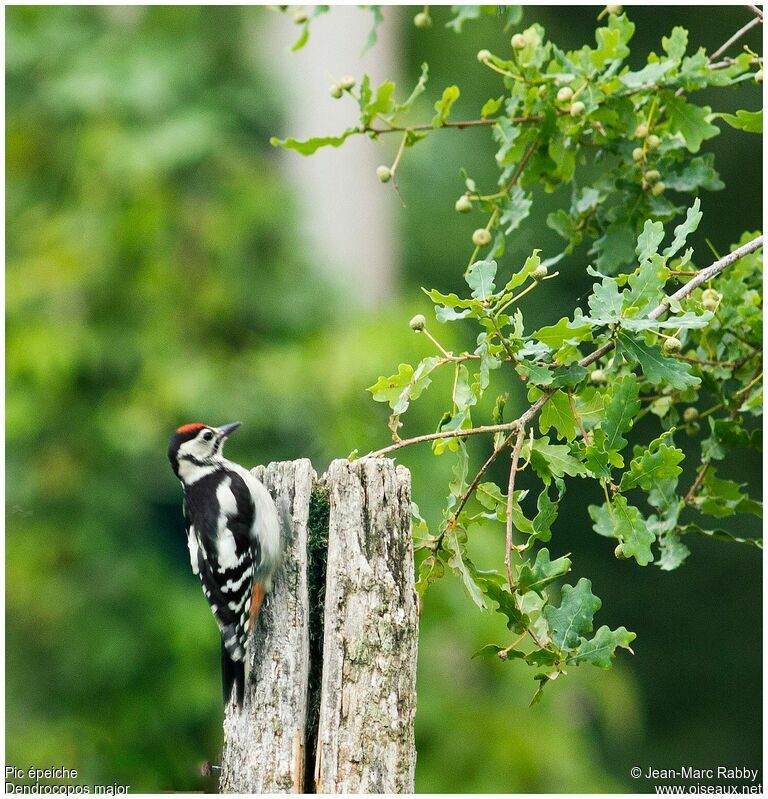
(166, 265)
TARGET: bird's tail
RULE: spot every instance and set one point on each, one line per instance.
(232, 676)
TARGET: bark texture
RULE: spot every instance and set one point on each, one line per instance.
(365, 733)
(337, 679)
(264, 743)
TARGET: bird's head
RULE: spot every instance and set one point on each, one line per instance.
(194, 448)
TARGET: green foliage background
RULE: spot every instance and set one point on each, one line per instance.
(154, 277)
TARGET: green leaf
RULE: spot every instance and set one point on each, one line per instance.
(693, 174)
(749, 121)
(563, 332)
(649, 240)
(444, 104)
(557, 413)
(515, 209)
(615, 247)
(311, 146)
(491, 107)
(605, 302)
(722, 535)
(658, 462)
(657, 368)
(573, 618)
(383, 102)
(542, 572)
(399, 389)
(645, 286)
(552, 460)
(684, 229)
(461, 15)
(601, 648)
(691, 121)
(480, 278)
(531, 263)
(673, 552)
(633, 531)
(624, 522)
(720, 498)
(417, 90)
(517, 621)
(461, 564)
(547, 512)
(676, 43)
(648, 75)
(378, 18)
(620, 412)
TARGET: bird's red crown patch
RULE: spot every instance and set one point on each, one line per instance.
(188, 428)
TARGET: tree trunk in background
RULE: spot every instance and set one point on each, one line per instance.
(364, 688)
(368, 700)
(346, 215)
(264, 744)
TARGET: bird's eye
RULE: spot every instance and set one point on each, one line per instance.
(207, 435)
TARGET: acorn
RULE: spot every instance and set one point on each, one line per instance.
(619, 552)
(577, 109)
(614, 9)
(347, 82)
(565, 94)
(597, 376)
(463, 205)
(693, 429)
(539, 273)
(483, 55)
(299, 17)
(658, 188)
(638, 154)
(653, 175)
(383, 173)
(660, 406)
(641, 131)
(422, 20)
(671, 345)
(710, 304)
(481, 237)
(518, 41)
(653, 141)
(335, 90)
(759, 76)
(418, 323)
(690, 414)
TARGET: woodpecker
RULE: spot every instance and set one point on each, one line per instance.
(233, 535)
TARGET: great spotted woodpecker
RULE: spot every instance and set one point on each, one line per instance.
(233, 534)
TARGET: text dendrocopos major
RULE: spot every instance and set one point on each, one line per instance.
(233, 534)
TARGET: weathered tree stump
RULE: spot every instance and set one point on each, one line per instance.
(368, 699)
(264, 743)
(331, 693)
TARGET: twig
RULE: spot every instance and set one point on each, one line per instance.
(520, 438)
(693, 490)
(473, 485)
(736, 36)
(756, 11)
(467, 123)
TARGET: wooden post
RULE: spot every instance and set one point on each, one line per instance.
(264, 744)
(368, 700)
(362, 732)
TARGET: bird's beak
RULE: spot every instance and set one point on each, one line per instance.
(226, 429)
